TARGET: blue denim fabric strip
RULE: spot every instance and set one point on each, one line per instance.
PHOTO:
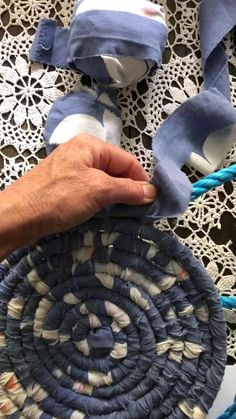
(50, 44)
(220, 17)
(112, 319)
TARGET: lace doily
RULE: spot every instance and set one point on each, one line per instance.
(27, 92)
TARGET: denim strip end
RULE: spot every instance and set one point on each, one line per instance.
(42, 46)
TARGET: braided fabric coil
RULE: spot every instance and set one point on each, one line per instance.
(111, 320)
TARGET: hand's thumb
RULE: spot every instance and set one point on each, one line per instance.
(130, 192)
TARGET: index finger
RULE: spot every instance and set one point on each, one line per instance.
(119, 163)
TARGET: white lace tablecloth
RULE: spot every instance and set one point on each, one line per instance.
(28, 91)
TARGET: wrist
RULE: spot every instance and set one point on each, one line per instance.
(19, 224)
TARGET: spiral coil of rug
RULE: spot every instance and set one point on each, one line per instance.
(115, 318)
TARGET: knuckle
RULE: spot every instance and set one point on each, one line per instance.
(134, 189)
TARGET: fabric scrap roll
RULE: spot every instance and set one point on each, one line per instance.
(110, 320)
(116, 43)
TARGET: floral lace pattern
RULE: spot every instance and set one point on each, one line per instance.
(27, 92)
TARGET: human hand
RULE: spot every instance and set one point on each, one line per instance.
(70, 186)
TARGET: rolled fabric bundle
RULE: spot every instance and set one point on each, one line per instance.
(116, 43)
(110, 320)
(86, 111)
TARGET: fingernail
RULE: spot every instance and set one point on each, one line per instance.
(150, 193)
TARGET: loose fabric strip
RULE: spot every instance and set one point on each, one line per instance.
(220, 17)
(110, 320)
